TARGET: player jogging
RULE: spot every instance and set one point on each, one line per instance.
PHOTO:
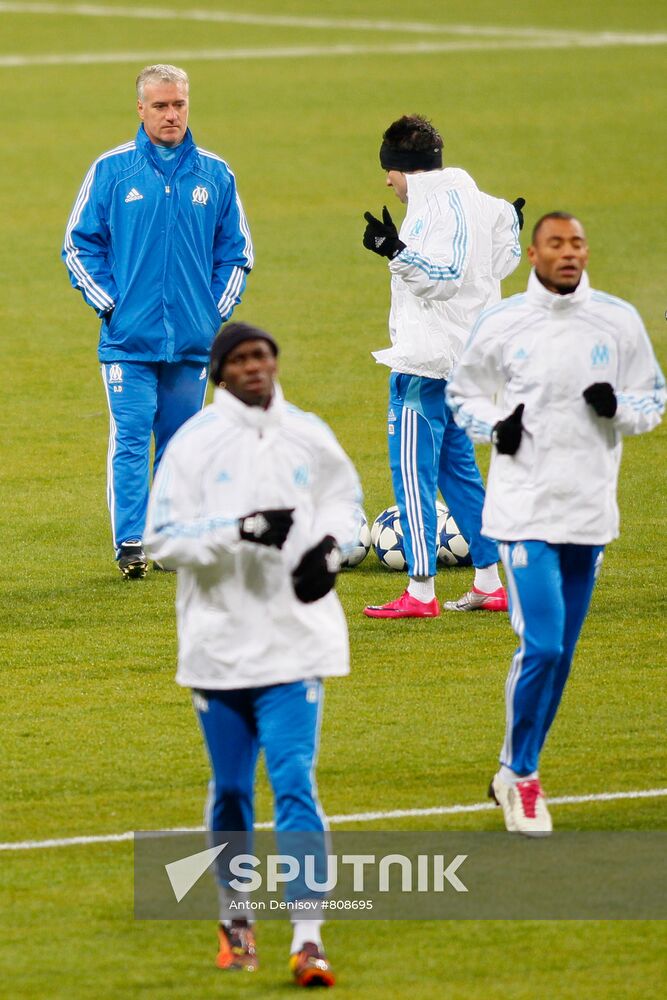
(250, 505)
(576, 372)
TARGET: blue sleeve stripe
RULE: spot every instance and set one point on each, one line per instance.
(613, 300)
(514, 300)
(164, 525)
(447, 272)
(461, 234)
(467, 420)
(205, 416)
(642, 404)
(471, 423)
(516, 249)
(196, 529)
(162, 502)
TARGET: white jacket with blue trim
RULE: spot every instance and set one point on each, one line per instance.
(239, 623)
(460, 243)
(543, 349)
(159, 248)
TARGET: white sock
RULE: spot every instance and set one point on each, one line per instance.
(306, 930)
(422, 588)
(510, 777)
(487, 579)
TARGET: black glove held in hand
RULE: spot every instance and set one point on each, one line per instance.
(507, 433)
(382, 237)
(267, 527)
(518, 205)
(316, 573)
(602, 398)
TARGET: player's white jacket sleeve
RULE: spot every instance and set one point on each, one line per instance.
(641, 387)
(475, 381)
(176, 534)
(337, 494)
(437, 269)
(505, 249)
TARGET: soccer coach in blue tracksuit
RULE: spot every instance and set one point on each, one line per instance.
(158, 244)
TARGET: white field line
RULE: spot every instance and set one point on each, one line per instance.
(480, 38)
(290, 21)
(367, 817)
(316, 51)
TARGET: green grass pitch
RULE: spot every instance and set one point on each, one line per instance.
(96, 737)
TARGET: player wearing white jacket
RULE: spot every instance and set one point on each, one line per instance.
(459, 244)
(252, 503)
(574, 369)
(240, 623)
(456, 243)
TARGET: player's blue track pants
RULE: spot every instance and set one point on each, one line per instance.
(550, 588)
(144, 399)
(427, 451)
(284, 721)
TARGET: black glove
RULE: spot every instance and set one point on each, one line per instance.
(602, 398)
(382, 237)
(316, 573)
(518, 205)
(267, 527)
(507, 433)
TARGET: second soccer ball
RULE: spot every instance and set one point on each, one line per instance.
(387, 539)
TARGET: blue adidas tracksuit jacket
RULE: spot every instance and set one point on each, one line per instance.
(160, 249)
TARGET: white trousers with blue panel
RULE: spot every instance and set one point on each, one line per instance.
(283, 721)
(427, 451)
(146, 400)
(550, 589)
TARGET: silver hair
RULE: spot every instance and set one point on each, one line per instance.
(161, 73)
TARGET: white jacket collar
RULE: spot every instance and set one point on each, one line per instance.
(422, 184)
(552, 300)
(250, 416)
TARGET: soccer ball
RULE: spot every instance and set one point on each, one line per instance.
(361, 547)
(387, 539)
(452, 546)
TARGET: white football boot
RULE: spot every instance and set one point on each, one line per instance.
(524, 806)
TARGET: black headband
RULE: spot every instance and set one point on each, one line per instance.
(408, 160)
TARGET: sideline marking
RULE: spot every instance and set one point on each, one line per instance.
(480, 38)
(296, 21)
(318, 51)
(563, 800)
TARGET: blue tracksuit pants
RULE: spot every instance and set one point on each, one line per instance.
(549, 588)
(145, 400)
(284, 721)
(427, 451)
